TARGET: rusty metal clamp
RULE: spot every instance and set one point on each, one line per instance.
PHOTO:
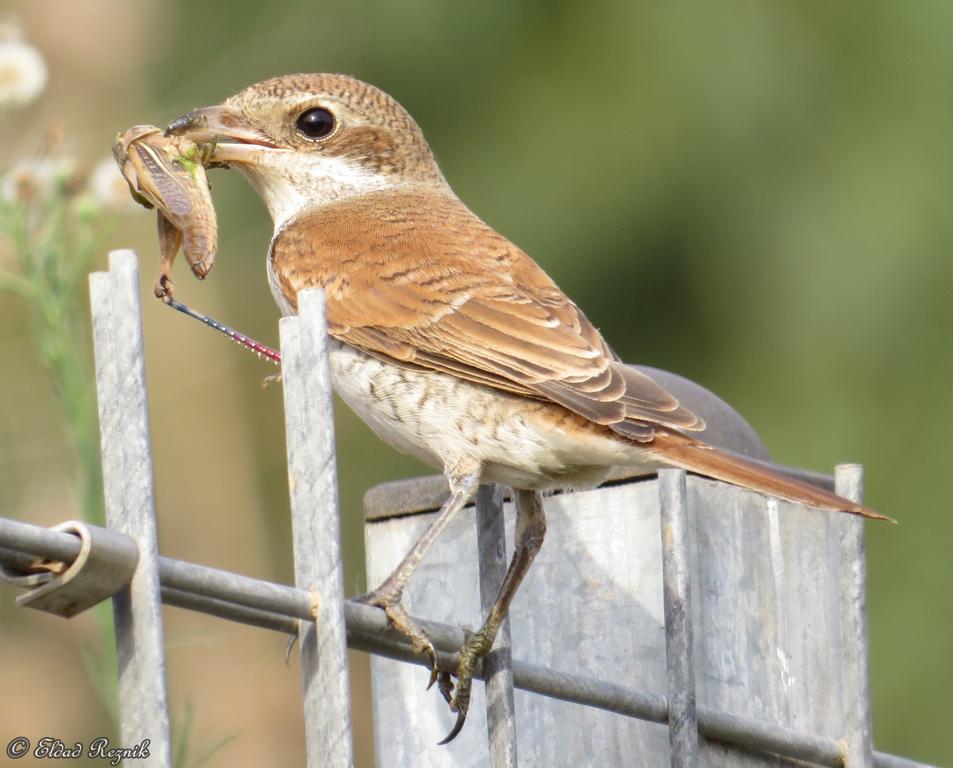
(105, 564)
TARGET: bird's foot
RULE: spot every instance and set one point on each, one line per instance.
(476, 647)
(389, 600)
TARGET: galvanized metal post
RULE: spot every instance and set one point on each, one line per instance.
(498, 666)
(312, 477)
(848, 482)
(130, 502)
(677, 597)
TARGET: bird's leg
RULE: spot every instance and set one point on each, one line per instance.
(530, 531)
(387, 596)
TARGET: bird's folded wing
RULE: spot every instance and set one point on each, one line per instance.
(424, 282)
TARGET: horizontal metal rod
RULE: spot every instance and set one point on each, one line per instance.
(885, 760)
(767, 737)
(263, 596)
(275, 606)
(38, 541)
(223, 609)
(16, 560)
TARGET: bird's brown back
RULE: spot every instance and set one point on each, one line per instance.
(414, 276)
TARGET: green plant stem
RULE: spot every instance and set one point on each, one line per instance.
(54, 253)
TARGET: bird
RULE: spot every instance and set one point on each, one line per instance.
(447, 339)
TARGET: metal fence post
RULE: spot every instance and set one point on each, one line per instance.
(312, 476)
(848, 481)
(130, 502)
(498, 666)
(677, 597)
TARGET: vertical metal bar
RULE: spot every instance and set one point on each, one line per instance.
(858, 735)
(130, 502)
(677, 596)
(500, 709)
(312, 477)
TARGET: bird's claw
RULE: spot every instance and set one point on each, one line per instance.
(164, 287)
(457, 727)
(445, 686)
(435, 674)
(478, 645)
(289, 646)
(390, 602)
(419, 641)
(458, 696)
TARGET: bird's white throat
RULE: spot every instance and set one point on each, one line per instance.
(290, 183)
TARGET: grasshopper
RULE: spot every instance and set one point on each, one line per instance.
(168, 173)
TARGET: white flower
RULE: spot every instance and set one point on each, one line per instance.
(22, 70)
(37, 179)
(109, 188)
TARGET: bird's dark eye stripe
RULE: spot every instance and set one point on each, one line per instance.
(315, 123)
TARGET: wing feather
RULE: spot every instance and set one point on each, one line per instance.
(418, 279)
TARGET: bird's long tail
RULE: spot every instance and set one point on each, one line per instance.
(696, 456)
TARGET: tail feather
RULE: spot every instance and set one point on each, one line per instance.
(696, 456)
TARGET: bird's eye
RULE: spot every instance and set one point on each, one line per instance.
(315, 123)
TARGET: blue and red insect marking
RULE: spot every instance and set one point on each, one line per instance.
(263, 352)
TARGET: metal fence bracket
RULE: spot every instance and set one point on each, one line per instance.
(105, 564)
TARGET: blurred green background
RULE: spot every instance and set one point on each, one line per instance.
(754, 195)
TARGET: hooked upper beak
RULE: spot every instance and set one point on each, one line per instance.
(234, 139)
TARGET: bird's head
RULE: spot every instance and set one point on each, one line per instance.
(308, 140)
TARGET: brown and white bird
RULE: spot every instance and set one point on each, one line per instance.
(447, 339)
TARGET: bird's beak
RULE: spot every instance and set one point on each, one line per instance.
(233, 138)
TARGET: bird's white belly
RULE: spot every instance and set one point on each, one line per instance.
(444, 421)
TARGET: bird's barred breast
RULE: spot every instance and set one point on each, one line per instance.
(443, 420)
